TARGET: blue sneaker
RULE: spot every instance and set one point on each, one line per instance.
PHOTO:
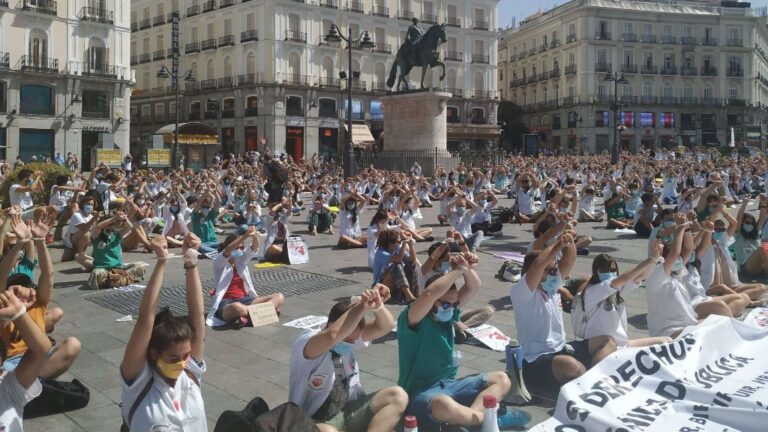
(509, 418)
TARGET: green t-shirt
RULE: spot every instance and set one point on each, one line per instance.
(425, 352)
(701, 217)
(107, 254)
(203, 226)
(26, 267)
(616, 211)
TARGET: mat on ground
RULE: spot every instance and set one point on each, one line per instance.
(714, 377)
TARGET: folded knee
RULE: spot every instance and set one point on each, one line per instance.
(71, 347)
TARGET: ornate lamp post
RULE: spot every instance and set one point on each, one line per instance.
(365, 42)
(617, 78)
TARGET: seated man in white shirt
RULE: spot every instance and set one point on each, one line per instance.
(527, 191)
(587, 211)
(549, 362)
(20, 386)
(463, 212)
(325, 376)
(20, 194)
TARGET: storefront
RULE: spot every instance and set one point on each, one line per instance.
(198, 143)
(329, 137)
(475, 137)
(294, 142)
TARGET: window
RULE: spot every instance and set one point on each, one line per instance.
(146, 112)
(327, 108)
(555, 121)
(628, 29)
(687, 121)
(602, 56)
(647, 120)
(377, 111)
(629, 58)
(669, 61)
(707, 92)
(572, 29)
(159, 111)
(647, 89)
(667, 120)
(172, 108)
(3, 100)
(194, 110)
(667, 30)
(38, 49)
(601, 90)
(668, 91)
(601, 119)
(228, 108)
(453, 114)
(647, 29)
(36, 99)
(648, 62)
(252, 106)
(357, 109)
(97, 56)
(688, 92)
(628, 119)
(477, 116)
(294, 106)
(733, 93)
(573, 119)
(95, 104)
(35, 142)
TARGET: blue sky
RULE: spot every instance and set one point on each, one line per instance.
(522, 8)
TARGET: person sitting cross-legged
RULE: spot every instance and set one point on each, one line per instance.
(325, 376)
(429, 362)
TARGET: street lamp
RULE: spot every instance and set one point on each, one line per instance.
(188, 76)
(364, 41)
(617, 78)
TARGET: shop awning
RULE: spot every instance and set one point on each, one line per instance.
(361, 135)
(710, 140)
(193, 133)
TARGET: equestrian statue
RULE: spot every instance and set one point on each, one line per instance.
(419, 49)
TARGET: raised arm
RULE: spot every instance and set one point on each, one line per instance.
(39, 230)
(38, 344)
(569, 256)
(339, 330)
(384, 322)
(677, 242)
(472, 281)
(535, 273)
(420, 307)
(195, 304)
(23, 236)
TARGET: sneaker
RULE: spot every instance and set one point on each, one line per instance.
(429, 239)
(509, 418)
(582, 251)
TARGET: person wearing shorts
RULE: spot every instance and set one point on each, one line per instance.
(549, 362)
(325, 375)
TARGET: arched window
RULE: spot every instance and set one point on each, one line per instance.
(454, 114)
(327, 108)
(294, 106)
(228, 108)
(210, 70)
(96, 56)
(194, 110)
(251, 106)
(477, 116)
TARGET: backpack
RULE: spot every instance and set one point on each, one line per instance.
(510, 271)
(257, 417)
(57, 397)
(579, 316)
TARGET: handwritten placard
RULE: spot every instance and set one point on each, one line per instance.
(262, 314)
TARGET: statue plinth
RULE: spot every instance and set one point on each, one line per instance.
(415, 121)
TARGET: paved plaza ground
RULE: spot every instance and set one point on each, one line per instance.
(253, 362)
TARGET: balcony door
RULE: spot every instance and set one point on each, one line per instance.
(38, 48)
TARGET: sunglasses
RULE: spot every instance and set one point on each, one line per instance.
(448, 305)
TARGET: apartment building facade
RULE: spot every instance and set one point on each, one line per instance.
(64, 78)
(266, 76)
(693, 71)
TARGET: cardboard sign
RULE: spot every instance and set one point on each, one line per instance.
(262, 314)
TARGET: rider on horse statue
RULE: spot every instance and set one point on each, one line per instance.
(413, 37)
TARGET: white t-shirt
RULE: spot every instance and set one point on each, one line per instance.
(605, 317)
(539, 320)
(346, 226)
(525, 200)
(587, 203)
(22, 199)
(178, 408)
(463, 223)
(311, 380)
(13, 397)
(59, 198)
(669, 308)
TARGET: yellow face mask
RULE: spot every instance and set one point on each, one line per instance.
(171, 370)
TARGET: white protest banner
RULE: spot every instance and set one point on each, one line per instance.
(758, 318)
(311, 322)
(714, 377)
(490, 336)
(298, 252)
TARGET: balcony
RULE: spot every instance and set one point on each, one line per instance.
(192, 47)
(101, 70)
(734, 42)
(709, 71)
(226, 3)
(429, 19)
(251, 112)
(735, 72)
(208, 44)
(689, 71)
(649, 70)
(211, 115)
(39, 64)
(193, 10)
(669, 70)
(481, 58)
(481, 25)
(668, 100)
(103, 16)
(295, 36)
(543, 47)
(169, 53)
(331, 4)
(689, 100)
(225, 82)
(737, 102)
(227, 40)
(669, 40)
(482, 94)
(554, 73)
(169, 18)
(604, 99)
(570, 70)
(455, 92)
(249, 35)
(647, 100)
(532, 51)
(355, 6)
(688, 40)
(379, 87)
(134, 60)
(711, 101)
(134, 27)
(144, 24)
(246, 79)
(330, 82)
(5, 60)
(453, 55)
(554, 44)
(144, 58)
(452, 21)
(381, 11)
(382, 48)
(628, 100)
(47, 7)
(293, 79)
(359, 85)
(629, 68)
(604, 35)
(648, 38)
(710, 41)
(629, 37)
(568, 101)
(208, 84)
(158, 20)
(543, 76)
(603, 67)
(570, 38)
(209, 6)
(404, 14)
(193, 115)
(158, 55)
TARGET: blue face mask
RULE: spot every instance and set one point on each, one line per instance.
(607, 276)
(30, 181)
(551, 284)
(445, 267)
(718, 236)
(88, 208)
(237, 253)
(444, 315)
(174, 209)
(678, 265)
(460, 210)
(748, 228)
(343, 348)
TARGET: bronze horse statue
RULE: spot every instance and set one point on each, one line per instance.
(424, 55)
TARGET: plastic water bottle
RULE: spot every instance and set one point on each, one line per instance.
(410, 424)
(514, 355)
(490, 422)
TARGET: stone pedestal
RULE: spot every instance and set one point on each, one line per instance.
(415, 121)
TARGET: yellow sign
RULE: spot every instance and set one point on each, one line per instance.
(192, 139)
(110, 157)
(158, 158)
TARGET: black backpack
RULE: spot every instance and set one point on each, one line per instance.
(57, 397)
(257, 417)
